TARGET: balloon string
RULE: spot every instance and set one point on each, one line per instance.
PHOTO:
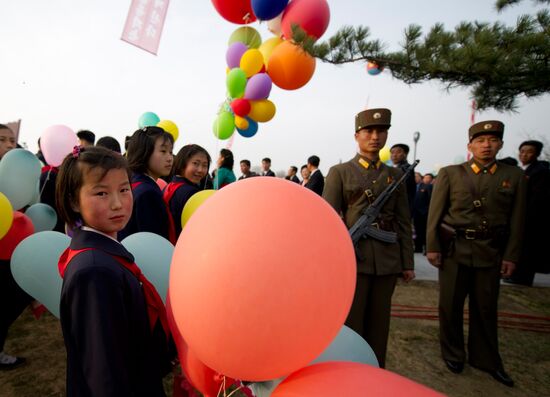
(43, 187)
(222, 387)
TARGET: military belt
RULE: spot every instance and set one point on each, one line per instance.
(474, 234)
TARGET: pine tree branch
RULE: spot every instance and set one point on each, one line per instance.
(498, 63)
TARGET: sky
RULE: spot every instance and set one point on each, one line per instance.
(62, 62)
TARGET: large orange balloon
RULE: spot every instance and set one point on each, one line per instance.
(257, 308)
(349, 379)
(290, 67)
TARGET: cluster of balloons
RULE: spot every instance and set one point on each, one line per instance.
(21, 214)
(150, 119)
(254, 66)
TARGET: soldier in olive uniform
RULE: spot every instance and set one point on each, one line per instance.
(351, 187)
(473, 237)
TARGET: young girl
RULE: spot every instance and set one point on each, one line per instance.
(113, 320)
(191, 166)
(224, 173)
(149, 157)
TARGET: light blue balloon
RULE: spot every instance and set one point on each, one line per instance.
(34, 267)
(19, 174)
(153, 255)
(148, 119)
(347, 346)
(43, 217)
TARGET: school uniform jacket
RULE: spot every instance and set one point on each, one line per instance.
(180, 198)
(345, 187)
(150, 213)
(111, 350)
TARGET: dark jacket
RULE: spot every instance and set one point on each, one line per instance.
(316, 182)
(111, 350)
(150, 213)
(410, 183)
(180, 198)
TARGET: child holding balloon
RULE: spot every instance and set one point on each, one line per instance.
(149, 158)
(190, 167)
(113, 320)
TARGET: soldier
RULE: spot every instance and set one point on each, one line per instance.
(474, 233)
(349, 188)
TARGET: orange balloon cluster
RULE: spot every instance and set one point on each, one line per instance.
(257, 308)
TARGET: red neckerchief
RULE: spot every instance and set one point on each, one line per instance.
(155, 307)
(48, 168)
(171, 225)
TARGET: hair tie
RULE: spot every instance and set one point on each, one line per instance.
(76, 151)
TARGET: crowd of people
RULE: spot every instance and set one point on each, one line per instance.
(469, 220)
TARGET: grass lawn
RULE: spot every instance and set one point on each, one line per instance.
(413, 349)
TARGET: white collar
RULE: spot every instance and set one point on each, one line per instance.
(90, 229)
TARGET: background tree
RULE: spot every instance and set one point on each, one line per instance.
(498, 63)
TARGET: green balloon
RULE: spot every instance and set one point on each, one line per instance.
(19, 174)
(246, 35)
(34, 267)
(43, 217)
(224, 125)
(236, 82)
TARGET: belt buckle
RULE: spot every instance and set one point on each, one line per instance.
(470, 234)
(376, 225)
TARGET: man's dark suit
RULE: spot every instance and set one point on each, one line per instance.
(534, 257)
(420, 214)
(410, 183)
(268, 173)
(316, 182)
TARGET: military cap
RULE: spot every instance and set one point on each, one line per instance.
(492, 127)
(536, 144)
(372, 117)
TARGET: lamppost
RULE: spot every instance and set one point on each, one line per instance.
(416, 138)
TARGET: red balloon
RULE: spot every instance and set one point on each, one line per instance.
(311, 15)
(21, 228)
(241, 107)
(236, 11)
(201, 377)
(338, 378)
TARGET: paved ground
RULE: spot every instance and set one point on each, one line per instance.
(425, 271)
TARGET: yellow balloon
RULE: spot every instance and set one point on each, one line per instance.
(384, 154)
(241, 123)
(193, 203)
(6, 215)
(252, 62)
(267, 47)
(170, 127)
(262, 110)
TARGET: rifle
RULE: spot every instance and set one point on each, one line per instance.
(364, 225)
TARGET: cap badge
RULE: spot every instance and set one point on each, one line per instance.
(376, 116)
(487, 126)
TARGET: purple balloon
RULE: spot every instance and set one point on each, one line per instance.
(234, 54)
(258, 87)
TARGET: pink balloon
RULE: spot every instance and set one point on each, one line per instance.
(258, 87)
(311, 15)
(57, 142)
